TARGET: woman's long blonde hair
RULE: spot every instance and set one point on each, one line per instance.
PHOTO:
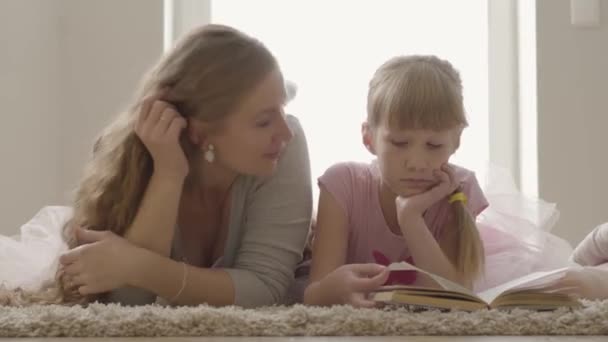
(207, 74)
(412, 92)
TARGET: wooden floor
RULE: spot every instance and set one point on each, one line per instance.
(334, 339)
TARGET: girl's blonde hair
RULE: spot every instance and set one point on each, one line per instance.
(425, 92)
(206, 75)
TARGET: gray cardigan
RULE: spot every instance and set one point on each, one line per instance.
(269, 222)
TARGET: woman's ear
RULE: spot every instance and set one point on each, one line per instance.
(196, 132)
(368, 137)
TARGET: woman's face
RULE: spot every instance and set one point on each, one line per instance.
(252, 138)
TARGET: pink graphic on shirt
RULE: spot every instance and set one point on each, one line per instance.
(396, 277)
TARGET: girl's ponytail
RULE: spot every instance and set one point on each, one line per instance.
(470, 258)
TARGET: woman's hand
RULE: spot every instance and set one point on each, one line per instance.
(159, 127)
(102, 263)
(415, 206)
(350, 284)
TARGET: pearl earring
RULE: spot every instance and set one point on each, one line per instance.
(210, 154)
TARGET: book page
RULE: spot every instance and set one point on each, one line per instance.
(535, 279)
(444, 283)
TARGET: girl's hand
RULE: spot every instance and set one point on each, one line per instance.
(415, 206)
(103, 263)
(350, 284)
(159, 127)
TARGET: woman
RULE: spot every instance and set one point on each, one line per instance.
(200, 192)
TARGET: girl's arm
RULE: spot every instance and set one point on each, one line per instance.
(329, 248)
(431, 255)
(331, 281)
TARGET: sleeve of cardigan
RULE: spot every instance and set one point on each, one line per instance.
(277, 219)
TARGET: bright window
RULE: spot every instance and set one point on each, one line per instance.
(330, 49)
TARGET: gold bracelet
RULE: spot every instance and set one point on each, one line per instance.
(179, 293)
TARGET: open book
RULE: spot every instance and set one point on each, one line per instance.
(536, 291)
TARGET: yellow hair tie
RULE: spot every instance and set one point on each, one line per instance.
(459, 196)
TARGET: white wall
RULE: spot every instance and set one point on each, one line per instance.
(109, 45)
(29, 97)
(573, 117)
(66, 67)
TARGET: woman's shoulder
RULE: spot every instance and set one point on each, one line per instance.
(294, 123)
(295, 155)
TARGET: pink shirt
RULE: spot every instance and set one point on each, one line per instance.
(355, 186)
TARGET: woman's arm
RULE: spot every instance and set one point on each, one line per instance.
(152, 231)
(159, 126)
(180, 283)
(154, 224)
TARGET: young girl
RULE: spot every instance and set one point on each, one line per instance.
(410, 203)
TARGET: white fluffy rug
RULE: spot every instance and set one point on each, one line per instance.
(114, 321)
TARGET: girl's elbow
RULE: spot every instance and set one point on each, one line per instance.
(307, 298)
(311, 295)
